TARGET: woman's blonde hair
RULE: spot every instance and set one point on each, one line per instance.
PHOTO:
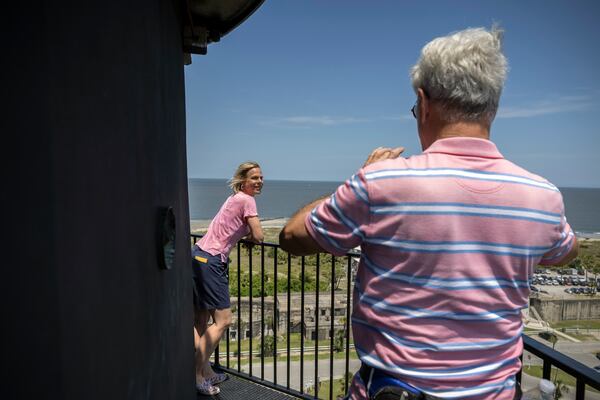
(240, 175)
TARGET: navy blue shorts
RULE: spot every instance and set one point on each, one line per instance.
(211, 280)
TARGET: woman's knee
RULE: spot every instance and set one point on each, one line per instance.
(223, 318)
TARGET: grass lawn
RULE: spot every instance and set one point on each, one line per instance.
(581, 324)
(283, 359)
(565, 378)
(338, 389)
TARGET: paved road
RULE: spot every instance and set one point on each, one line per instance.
(339, 367)
(583, 352)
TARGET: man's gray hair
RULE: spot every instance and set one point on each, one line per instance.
(463, 72)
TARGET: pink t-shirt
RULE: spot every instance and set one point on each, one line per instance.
(449, 241)
(229, 225)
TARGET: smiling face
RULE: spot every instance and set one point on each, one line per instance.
(253, 183)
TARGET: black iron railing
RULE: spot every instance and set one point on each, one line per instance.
(322, 313)
(339, 350)
(583, 374)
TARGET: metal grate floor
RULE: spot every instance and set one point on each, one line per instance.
(236, 388)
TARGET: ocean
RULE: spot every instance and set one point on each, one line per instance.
(281, 199)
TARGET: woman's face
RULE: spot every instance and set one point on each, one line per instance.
(253, 183)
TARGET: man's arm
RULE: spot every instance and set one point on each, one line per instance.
(294, 238)
(571, 254)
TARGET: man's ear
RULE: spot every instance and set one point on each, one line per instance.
(423, 105)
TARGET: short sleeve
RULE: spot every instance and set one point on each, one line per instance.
(338, 224)
(249, 207)
(562, 246)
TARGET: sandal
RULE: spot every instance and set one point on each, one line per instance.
(217, 378)
(206, 388)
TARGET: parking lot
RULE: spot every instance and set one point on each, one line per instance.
(564, 285)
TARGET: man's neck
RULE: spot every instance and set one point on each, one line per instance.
(464, 129)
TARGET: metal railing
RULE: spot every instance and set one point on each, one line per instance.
(240, 362)
(316, 314)
(583, 374)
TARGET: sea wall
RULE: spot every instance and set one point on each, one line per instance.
(554, 310)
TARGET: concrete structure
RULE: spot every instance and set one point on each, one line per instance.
(279, 315)
(555, 310)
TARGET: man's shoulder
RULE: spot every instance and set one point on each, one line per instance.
(514, 169)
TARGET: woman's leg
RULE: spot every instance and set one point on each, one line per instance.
(200, 325)
(209, 340)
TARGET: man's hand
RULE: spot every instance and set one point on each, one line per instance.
(383, 153)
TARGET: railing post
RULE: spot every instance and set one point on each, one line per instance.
(316, 381)
(547, 369)
(302, 325)
(348, 279)
(332, 326)
(580, 390)
(251, 311)
(262, 311)
(240, 335)
(289, 302)
(275, 315)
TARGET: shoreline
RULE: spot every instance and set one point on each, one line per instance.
(197, 225)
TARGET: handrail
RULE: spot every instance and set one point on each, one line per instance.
(550, 357)
(583, 374)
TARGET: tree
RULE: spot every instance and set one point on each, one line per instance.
(338, 340)
(269, 346)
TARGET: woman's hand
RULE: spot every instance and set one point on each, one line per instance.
(247, 245)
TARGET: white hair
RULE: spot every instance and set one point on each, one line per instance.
(463, 72)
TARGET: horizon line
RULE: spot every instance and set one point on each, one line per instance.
(343, 180)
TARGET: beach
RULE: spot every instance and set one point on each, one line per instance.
(201, 225)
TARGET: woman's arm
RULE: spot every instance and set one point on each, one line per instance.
(256, 232)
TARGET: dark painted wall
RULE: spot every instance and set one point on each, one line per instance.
(94, 118)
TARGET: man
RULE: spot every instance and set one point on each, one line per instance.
(449, 238)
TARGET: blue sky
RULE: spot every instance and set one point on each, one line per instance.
(308, 88)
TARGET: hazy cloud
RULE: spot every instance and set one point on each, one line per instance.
(307, 121)
(556, 105)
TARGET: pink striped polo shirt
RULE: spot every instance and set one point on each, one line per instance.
(449, 239)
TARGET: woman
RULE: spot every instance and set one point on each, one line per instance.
(236, 219)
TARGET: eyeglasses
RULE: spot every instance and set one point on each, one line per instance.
(415, 109)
